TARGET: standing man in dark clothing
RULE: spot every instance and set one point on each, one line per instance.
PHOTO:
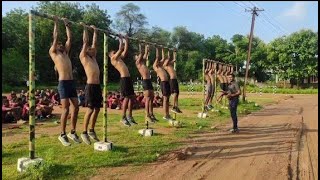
(233, 96)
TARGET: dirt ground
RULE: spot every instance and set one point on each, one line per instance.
(278, 142)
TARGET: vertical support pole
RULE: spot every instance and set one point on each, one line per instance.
(203, 89)
(105, 82)
(174, 67)
(215, 86)
(31, 86)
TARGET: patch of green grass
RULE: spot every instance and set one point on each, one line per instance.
(81, 161)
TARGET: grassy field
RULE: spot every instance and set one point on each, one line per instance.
(80, 161)
(196, 88)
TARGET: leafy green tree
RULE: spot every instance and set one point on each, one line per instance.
(129, 19)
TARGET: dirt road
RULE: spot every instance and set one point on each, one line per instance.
(278, 142)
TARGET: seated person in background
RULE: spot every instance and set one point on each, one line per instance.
(55, 98)
(46, 107)
(12, 96)
(81, 98)
(158, 99)
(25, 112)
(37, 93)
(42, 93)
(8, 115)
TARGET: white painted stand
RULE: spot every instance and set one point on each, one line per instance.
(103, 146)
(146, 132)
(24, 163)
(202, 115)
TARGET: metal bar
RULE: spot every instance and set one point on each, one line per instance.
(105, 82)
(109, 32)
(31, 86)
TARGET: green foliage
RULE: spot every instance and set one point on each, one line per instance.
(293, 57)
(12, 63)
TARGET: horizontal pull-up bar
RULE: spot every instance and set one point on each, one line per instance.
(209, 60)
(108, 32)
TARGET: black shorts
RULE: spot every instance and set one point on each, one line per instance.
(126, 87)
(165, 88)
(67, 89)
(147, 84)
(93, 96)
(224, 86)
(174, 86)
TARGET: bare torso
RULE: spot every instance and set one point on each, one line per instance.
(121, 67)
(207, 78)
(161, 73)
(92, 70)
(143, 70)
(171, 71)
(63, 65)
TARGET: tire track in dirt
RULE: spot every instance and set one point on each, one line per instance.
(267, 147)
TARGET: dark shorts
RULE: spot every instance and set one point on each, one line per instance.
(165, 88)
(126, 87)
(147, 84)
(67, 89)
(224, 86)
(93, 96)
(174, 86)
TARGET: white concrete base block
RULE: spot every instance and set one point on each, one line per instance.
(202, 115)
(175, 123)
(24, 163)
(103, 146)
(146, 132)
(215, 110)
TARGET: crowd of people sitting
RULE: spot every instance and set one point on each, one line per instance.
(16, 107)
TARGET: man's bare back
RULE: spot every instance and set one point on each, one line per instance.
(158, 68)
(168, 66)
(120, 66)
(117, 58)
(88, 59)
(141, 64)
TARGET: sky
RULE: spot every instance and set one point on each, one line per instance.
(224, 18)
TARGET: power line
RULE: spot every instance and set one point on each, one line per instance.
(266, 14)
(240, 5)
(266, 19)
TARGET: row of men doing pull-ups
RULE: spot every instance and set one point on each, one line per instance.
(229, 87)
(93, 94)
(222, 70)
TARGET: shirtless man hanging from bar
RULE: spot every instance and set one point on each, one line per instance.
(146, 83)
(67, 87)
(165, 86)
(126, 85)
(93, 93)
(169, 67)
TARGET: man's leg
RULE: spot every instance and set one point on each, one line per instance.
(233, 111)
(63, 120)
(87, 119)
(125, 107)
(166, 105)
(93, 120)
(65, 112)
(84, 134)
(74, 113)
(74, 117)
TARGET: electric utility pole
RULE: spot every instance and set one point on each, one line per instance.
(254, 14)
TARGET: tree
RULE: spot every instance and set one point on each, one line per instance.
(295, 57)
(129, 19)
